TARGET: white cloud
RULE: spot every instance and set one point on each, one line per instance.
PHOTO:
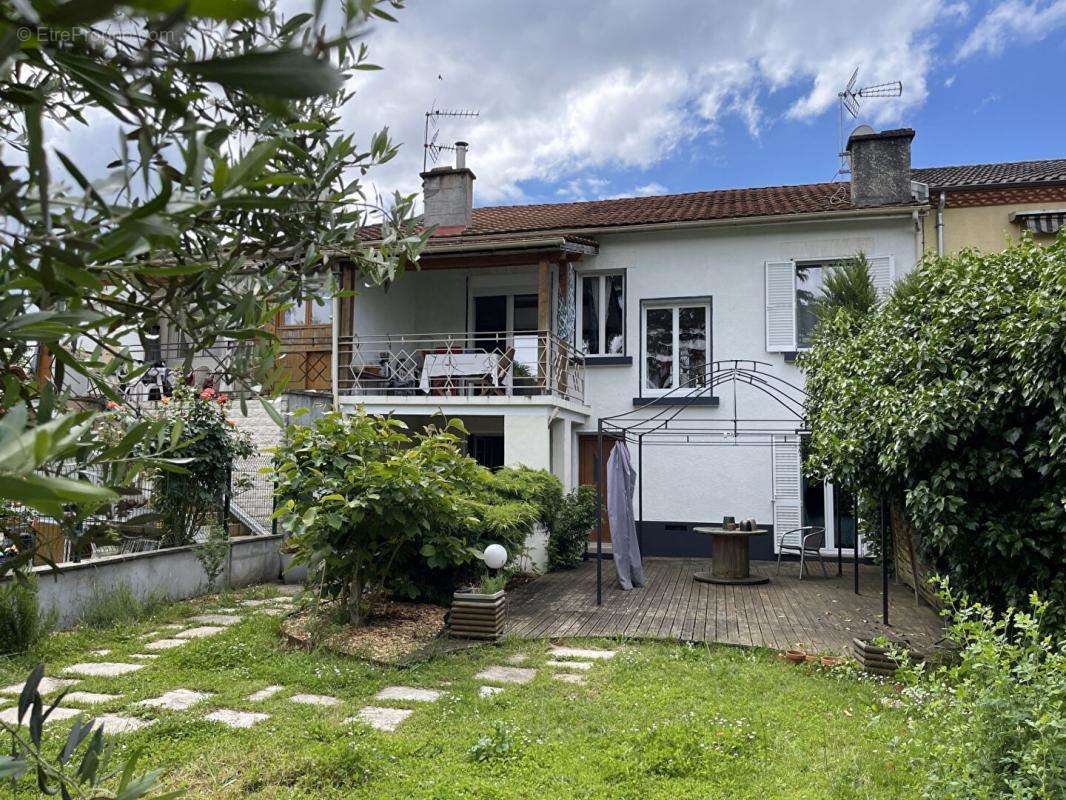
(568, 90)
(1013, 20)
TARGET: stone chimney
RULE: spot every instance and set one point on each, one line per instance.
(880, 166)
(448, 193)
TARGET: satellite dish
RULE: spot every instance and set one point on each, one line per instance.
(862, 130)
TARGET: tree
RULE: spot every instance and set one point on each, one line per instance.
(229, 195)
(847, 287)
(949, 401)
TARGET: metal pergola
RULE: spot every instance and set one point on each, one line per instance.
(663, 422)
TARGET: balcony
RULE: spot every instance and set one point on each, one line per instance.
(463, 367)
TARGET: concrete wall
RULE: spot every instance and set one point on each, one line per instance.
(173, 574)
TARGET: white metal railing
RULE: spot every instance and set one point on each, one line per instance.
(503, 364)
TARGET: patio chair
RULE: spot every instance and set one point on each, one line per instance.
(806, 541)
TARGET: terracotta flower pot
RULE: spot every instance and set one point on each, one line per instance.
(796, 656)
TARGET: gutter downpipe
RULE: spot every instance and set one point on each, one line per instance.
(940, 224)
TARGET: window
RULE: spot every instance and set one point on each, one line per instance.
(309, 312)
(677, 345)
(809, 282)
(603, 314)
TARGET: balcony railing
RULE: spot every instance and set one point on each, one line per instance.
(503, 364)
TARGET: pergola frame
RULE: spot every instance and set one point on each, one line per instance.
(665, 429)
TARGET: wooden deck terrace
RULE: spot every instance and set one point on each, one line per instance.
(817, 614)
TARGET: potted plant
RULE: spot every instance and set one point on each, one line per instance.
(479, 612)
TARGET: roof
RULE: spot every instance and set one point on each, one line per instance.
(1013, 172)
(590, 215)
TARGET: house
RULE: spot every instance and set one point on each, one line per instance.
(533, 323)
(985, 205)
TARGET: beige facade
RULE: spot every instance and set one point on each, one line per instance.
(981, 218)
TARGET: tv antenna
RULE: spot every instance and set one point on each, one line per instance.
(851, 100)
(430, 149)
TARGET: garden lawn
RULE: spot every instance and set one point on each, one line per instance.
(657, 721)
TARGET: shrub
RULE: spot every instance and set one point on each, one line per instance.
(995, 718)
(949, 402)
(569, 532)
(117, 605)
(195, 424)
(212, 553)
(371, 506)
(21, 622)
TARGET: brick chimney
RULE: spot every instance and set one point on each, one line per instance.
(448, 193)
(880, 166)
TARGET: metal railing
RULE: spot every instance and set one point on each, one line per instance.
(434, 365)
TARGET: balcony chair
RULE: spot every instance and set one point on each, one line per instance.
(806, 541)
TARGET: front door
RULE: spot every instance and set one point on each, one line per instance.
(587, 455)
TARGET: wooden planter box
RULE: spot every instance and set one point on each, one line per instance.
(875, 660)
(478, 616)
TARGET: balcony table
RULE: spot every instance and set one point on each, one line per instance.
(730, 563)
(459, 365)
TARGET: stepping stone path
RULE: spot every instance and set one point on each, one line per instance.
(102, 669)
(488, 691)
(583, 666)
(46, 686)
(11, 716)
(215, 619)
(104, 652)
(255, 603)
(506, 675)
(165, 644)
(409, 694)
(176, 699)
(570, 677)
(265, 694)
(578, 653)
(113, 723)
(517, 658)
(199, 633)
(144, 656)
(236, 719)
(90, 698)
(382, 719)
(315, 700)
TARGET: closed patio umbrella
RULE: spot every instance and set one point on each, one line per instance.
(621, 483)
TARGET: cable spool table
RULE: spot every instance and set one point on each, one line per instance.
(729, 557)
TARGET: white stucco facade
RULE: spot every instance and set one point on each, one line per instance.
(722, 265)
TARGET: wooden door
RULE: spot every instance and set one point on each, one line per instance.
(586, 471)
(306, 334)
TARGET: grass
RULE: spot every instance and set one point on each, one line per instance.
(658, 721)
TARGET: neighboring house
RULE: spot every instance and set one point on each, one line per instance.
(985, 205)
(530, 323)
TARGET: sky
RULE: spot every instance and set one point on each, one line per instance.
(588, 99)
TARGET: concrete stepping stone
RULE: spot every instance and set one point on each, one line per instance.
(176, 699)
(46, 686)
(216, 619)
(264, 694)
(382, 719)
(199, 633)
(255, 603)
(506, 675)
(273, 612)
(579, 653)
(517, 658)
(488, 691)
(584, 666)
(165, 644)
(114, 723)
(11, 715)
(102, 669)
(144, 656)
(570, 677)
(408, 693)
(315, 700)
(103, 652)
(236, 719)
(89, 698)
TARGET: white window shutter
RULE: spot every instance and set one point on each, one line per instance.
(883, 274)
(780, 306)
(787, 485)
